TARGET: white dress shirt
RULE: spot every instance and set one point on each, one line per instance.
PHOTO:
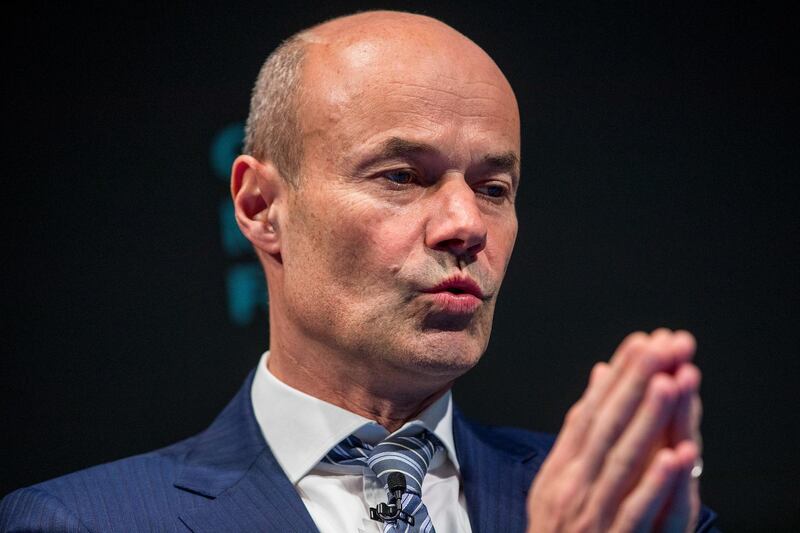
(301, 429)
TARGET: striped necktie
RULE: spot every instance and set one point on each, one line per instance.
(410, 455)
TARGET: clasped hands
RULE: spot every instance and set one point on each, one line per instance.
(624, 456)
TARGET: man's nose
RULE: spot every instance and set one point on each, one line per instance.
(456, 224)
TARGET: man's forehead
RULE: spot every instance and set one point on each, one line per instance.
(417, 79)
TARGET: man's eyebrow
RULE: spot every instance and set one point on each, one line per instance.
(506, 162)
(396, 147)
(399, 148)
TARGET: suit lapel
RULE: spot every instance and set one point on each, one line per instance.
(246, 490)
(497, 473)
(264, 500)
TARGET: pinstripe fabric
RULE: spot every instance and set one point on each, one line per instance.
(408, 454)
(227, 480)
(224, 479)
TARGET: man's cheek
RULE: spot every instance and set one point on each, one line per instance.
(355, 255)
(371, 239)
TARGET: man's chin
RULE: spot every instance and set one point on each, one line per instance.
(448, 322)
(447, 352)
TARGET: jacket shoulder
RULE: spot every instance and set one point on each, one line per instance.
(35, 509)
(99, 498)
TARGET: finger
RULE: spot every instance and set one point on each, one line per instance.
(684, 347)
(599, 373)
(638, 354)
(697, 439)
(623, 350)
(670, 349)
(603, 378)
(697, 417)
(640, 509)
(681, 510)
(631, 345)
(618, 409)
(682, 344)
(630, 455)
(580, 416)
(683, 428)
(577, 421)
(573, 430)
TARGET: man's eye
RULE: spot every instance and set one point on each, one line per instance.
(493, 190)
(400, 177)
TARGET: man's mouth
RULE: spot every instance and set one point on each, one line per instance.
(458, 285)
(458, 295)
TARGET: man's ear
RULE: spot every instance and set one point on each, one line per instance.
(258, 191)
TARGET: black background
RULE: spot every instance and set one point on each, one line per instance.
(659, 172)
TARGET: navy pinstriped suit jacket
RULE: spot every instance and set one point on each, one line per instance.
(226, 480)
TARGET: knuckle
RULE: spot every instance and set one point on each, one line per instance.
(598, 368)
(627, 518)
(647, 362)
(686, 335)
(667, 466)
(557, 502)
(573, 414)
(635, 338)
(586, 523)
(636, 341)
(663, 388)
(622, 461)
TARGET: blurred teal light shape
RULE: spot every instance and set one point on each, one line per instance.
(233, 242)
(225, 147)
(247, 292)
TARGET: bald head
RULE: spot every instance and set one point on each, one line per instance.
(407, 31)
(327, 67)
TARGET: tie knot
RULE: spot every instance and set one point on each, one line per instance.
(409, 454)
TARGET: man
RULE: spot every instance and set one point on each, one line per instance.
(378, 186)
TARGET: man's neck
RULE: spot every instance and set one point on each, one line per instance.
(390, 400)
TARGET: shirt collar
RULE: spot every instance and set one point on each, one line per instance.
(300, 429)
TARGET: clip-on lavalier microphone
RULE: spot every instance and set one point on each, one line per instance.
(390, 512)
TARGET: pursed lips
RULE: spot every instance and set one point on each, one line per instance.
(457, 295)
(458, 285)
